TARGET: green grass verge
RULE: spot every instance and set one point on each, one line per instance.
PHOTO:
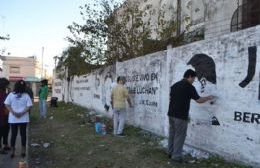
(74, 144)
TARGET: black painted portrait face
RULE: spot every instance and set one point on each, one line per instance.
(204, 66)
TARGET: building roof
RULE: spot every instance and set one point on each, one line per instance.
(4, 58)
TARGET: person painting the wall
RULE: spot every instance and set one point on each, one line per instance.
(118, 97)
(18, 104)
(43, 94)
(181, 94)
(4, 126)
(29, 91)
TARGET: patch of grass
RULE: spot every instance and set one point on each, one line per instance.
(74, 144)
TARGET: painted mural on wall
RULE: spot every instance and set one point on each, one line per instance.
(251, 67)
(227, 68)
(144, 82)
(80, 90)
(109, 79)
(103, 82)
(205, 69)
(57, 89)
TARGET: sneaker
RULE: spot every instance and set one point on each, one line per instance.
(7, 148)
(121, 135)
(23, 154)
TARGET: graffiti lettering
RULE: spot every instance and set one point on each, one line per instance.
(132, 78)
(57, 90)
(214, 121)
(251, 67)
(203, 84)
(142, 77)
(259, 90)
(82, 81)
(85, 88)
(247, 117)
(57, 83)
(81, 88)
(148, 103)
(142, 90)
(96, 96)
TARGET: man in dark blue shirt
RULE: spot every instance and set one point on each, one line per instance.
(181, 94)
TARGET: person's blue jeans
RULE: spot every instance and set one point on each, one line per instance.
(43, 108)
(119, 120)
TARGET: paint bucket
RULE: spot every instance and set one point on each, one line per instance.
(22, 164)
(98, 127)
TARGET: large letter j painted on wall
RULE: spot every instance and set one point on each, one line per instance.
(251, 67)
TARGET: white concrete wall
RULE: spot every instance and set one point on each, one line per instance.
(218, 17)
(57, 89)
(238, 137)
(221, 69)
(103, 80)
(212, 15)
(80, 90)
(91, 90)
(146, 78)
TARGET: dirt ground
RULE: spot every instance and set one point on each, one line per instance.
(73, 143)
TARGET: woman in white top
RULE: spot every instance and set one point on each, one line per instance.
(18, 103)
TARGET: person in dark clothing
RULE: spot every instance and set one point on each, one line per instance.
(4, 126)
(180, 96)
(29, 91)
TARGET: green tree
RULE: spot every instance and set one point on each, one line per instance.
(72, 60)
(111, 31)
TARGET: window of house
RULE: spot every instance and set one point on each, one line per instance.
(247, 15)
(14, 69)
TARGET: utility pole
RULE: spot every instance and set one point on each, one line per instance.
(178, 17)
(55, 60)
(42, 63)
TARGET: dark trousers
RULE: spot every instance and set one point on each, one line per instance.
(14, 128)
(6, 133)
(177, 136)
(1, 135)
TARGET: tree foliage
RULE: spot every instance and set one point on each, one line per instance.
(112, 32)
(74, 61)
(3, 38)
